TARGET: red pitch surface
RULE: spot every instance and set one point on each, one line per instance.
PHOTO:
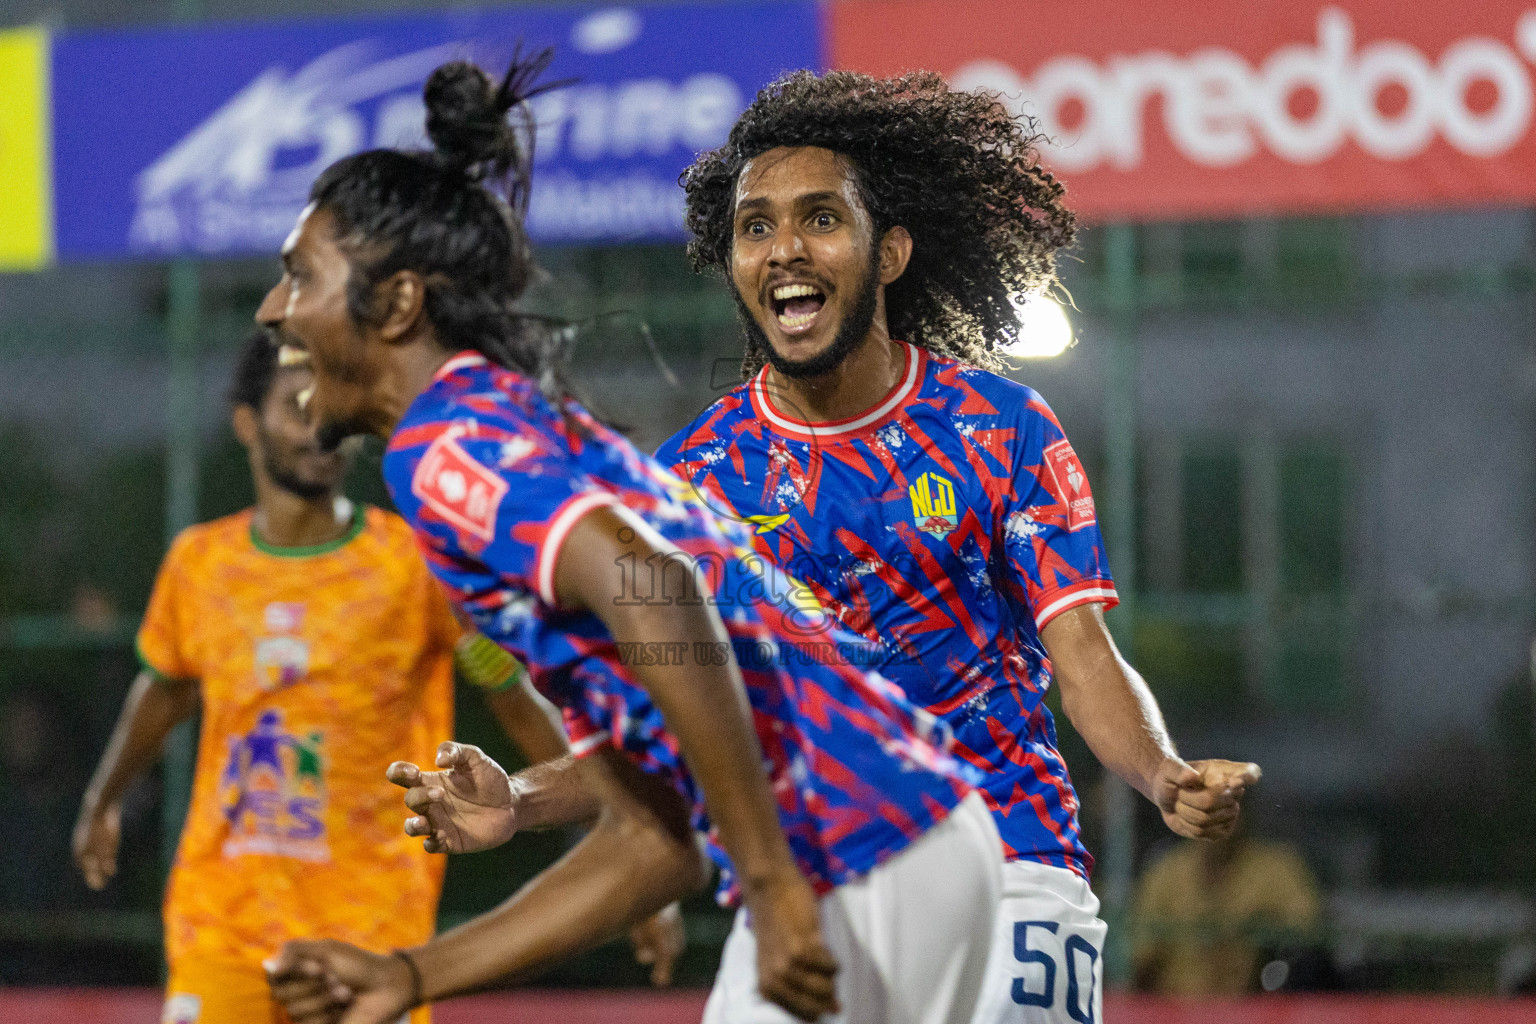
(142, 1006)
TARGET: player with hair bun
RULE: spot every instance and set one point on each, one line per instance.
(837, 814)
(877, 235)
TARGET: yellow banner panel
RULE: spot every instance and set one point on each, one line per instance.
(26, 167)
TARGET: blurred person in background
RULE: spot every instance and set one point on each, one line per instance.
(34, 745)
(92, 609)
(320, 649)
(875, 234)
(1207, 913)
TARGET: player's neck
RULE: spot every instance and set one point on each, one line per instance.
(411, 369)
(854, 386)
(286, 520)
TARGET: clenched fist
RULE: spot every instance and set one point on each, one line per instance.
(1202, 799)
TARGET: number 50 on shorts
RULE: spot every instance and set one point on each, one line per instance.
(1079, 960)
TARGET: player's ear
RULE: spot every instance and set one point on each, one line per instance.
(895, 253)
(400, 301)
(243, 419)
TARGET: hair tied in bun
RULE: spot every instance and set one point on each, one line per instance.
(469, 126)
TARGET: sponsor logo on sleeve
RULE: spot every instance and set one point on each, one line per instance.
(1071, 485)
(458, 488)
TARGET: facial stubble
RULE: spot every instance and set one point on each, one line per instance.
(852, 332)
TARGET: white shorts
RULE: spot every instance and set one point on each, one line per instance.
(1046, 965)
(911, 938)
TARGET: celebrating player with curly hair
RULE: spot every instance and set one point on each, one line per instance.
(953, 169)
(877, 235)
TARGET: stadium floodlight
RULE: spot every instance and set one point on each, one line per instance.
(1044, 330)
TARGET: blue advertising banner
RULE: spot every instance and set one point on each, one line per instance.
(204, 140)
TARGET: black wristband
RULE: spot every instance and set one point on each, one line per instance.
(410, 963)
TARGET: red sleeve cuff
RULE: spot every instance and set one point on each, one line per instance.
(560, 526)
(1053, 603)
(590, 742)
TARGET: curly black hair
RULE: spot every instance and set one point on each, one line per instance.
(956, 169)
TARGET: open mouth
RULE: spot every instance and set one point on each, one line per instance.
(796, 306)
(291, 355)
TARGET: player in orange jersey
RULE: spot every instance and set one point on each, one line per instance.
(321, 649)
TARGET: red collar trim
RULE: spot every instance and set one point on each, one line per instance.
(837, 430)
(462, 361)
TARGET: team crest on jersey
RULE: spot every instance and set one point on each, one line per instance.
(933, 504)
(1071, 484)
(283, 616)
(182, 1008)
(282, 659)
(272, 792)
(458, 488)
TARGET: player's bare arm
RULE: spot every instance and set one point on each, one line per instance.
(153, 708)
(533, 724)
(477, 808)
(470, 803)
(476, 801)
(639, 856)
(528, 720)
(1110, 705)
(706, 707)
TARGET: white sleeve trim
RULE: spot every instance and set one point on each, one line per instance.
(587, 744)
(559, 528)
(1088, 595)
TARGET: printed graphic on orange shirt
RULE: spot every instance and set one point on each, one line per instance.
(272, 792)
(282, 657)
(933, 504)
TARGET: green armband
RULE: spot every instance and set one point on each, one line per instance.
(485, 664)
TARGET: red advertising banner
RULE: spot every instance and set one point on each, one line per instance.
(1166, 109)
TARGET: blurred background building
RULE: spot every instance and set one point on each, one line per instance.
(1307, 401)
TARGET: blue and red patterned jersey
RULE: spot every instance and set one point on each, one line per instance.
(949, 524)
(493, 478)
